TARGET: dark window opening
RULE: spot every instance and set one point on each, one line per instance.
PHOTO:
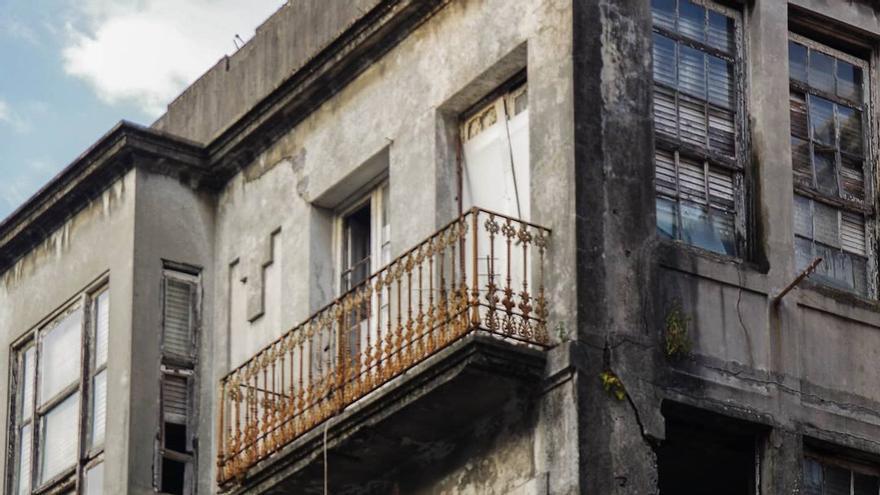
(173, 476)
(175, 437)
(707, 453)
(356, 248)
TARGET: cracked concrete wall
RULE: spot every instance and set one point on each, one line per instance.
(404, 105)
(805, 369)
(176, 224)
(282, 45)
(96, 241)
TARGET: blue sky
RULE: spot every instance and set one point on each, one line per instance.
(71, 69)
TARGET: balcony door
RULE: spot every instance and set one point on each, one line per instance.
(495, 142)
(496, 177)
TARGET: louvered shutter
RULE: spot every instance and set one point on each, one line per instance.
(177, 339)
(175, 398)
(852, 233)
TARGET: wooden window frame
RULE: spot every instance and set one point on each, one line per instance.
(737, 165)
(865, 107)
(71, 478)
(172, 364)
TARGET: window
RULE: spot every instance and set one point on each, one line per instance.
(706, 453)
(364, 247)
(495, 148)
(60, 398)
(825, 477)
(829, 152)
(698, 159)
(175, 459)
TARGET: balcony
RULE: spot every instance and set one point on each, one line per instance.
(479, 280)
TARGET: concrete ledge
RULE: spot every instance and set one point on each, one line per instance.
(433, 403)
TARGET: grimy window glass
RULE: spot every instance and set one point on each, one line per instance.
(830, 163)
(56, 394)
(698, 165)
(822, 477)
(175, 447)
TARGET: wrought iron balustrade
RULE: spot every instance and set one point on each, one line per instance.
(483, 272)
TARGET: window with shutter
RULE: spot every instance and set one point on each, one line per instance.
(838, 477)
(175, 454)
(698, 166)
(828, 110)
(60, 391)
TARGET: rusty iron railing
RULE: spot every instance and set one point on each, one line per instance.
(415, 306)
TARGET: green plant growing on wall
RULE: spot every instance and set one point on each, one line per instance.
(678, 341)
(612, 384)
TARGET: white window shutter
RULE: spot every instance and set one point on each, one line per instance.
(178, 318)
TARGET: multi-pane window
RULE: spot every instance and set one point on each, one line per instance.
(829, 150)
(827, 478)
(60, 398)
(175, 459)
(698, 158)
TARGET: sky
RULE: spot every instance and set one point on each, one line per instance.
(71, 69)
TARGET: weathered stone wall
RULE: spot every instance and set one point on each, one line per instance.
(96, 241)
(399, 118)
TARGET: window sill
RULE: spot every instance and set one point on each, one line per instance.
(839, 302)
(731, 270)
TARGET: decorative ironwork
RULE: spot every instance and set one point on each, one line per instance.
(474, 275)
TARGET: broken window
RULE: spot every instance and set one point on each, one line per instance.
(707, 453)
(48, 448)
(698, 160)
(829, 146)
(175, 459)
(837, 477)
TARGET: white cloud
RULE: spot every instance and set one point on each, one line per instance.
(11, 118)
(16, 30)
(146, 52)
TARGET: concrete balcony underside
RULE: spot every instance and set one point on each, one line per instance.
(418, 414)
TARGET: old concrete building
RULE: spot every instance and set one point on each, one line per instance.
(468, 246)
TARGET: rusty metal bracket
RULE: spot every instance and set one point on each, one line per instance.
(794, 283)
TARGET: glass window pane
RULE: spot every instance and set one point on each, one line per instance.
(860, 277)
(842, 269)
(864, 484)
(102, 327)
(852, 178)
(666, 219)
(803, 217)
(826, 224)
(691, 20)
(698, 230)
(24, 460)
(850, 130)
(812, 477)
(59, 439)
(837, 481)
(797, 61)
(720, 82)
(664, 60)
(798, 111)
(94, 480)
(803, 252)
(27, 385)
(691, 71)
(822, 120)
(99, 408)
(664, 13)
(800, 162)
(721, 29)
(60, 356)
(849, 81)
(723, 224)
(826, 176)
(821, 72)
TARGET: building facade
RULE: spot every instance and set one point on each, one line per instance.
(467, 246)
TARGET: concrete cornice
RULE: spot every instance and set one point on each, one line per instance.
(123, 147)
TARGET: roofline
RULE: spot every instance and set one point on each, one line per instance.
(211, 166)
(90, 174)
